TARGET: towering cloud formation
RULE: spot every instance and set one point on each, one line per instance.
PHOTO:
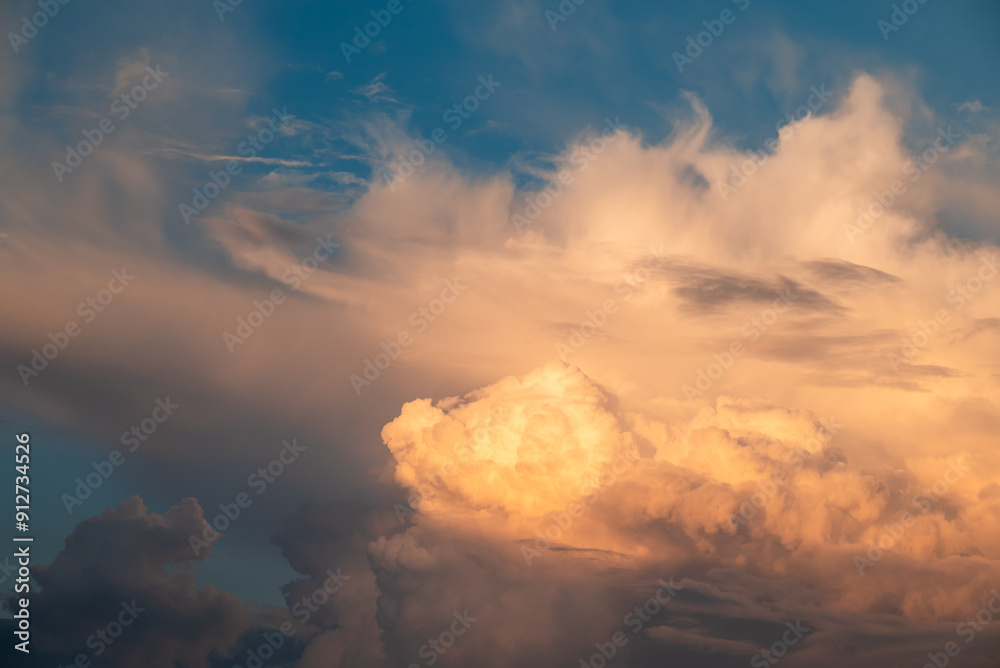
(741, 495)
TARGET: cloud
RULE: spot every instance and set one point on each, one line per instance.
(708, 288)
(524, 519)
(571, 277)
(128, 563)
(377, 90)
(533, 453)
(972, 106)
(840, 271)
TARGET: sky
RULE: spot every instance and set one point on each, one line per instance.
(536, 333)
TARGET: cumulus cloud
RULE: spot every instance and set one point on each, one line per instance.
(518, 514)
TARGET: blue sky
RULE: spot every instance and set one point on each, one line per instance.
(603, 60)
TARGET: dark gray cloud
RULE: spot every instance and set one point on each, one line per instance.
(703, 288)
(134, 568)
(842, 271)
